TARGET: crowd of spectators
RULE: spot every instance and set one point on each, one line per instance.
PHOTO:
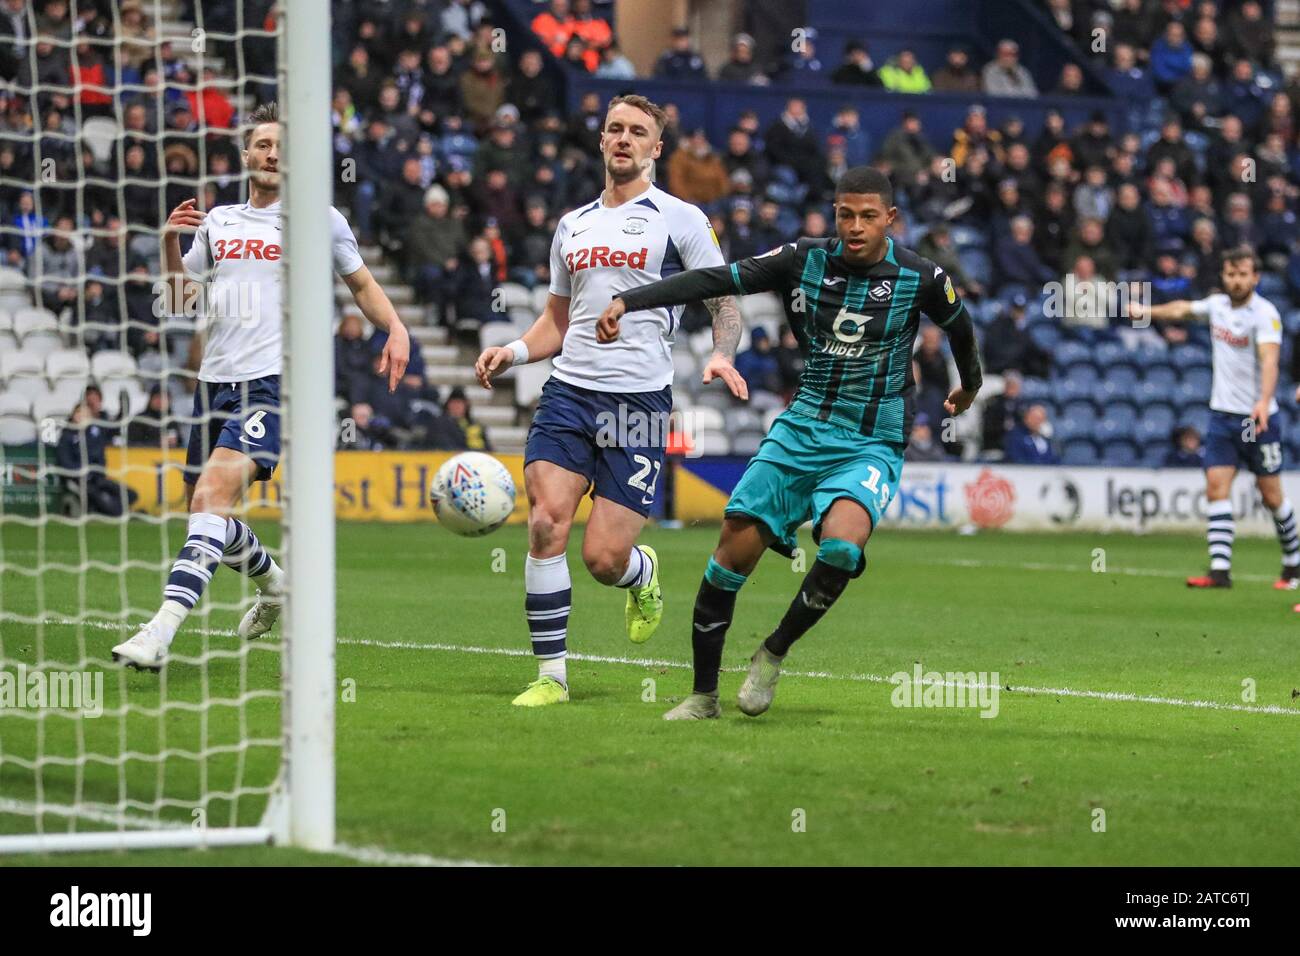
(413, 416)
(458, 158)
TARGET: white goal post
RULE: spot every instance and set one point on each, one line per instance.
(296, 802)
(309, 366)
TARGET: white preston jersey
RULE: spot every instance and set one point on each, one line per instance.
(237, 254)
(600, 251)
(1237, 333)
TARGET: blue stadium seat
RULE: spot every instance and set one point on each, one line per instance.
(1198, 378)
(1068, 388)
(1161, 377)
(977, 263)
(1120, 454)
(1161, 404)
(1085, 371)
(1121, 380)
(982, 313)
(1033, 389)
(1191, 393)
(1153, 454)
(1110, 355)
(1012, 289)
(1271, 285)
(964, 237)
(1189, 355)
(1079, 410)
(1150, 429)
(1069, 429)
(785, 194)
(1069, 352)
(1146, 356)
(1079, 452)
(1046, 335)
(1124, 405)
(1159, 415)
(1197, 416)
(1114, 426)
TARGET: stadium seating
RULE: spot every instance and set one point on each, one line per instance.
(1110, 401)
(16, 424)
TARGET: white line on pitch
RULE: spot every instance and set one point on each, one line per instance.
(1078, 568)
(378, 856)
(825, 675)
(1120, 696)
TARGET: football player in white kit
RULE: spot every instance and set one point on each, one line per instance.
(1245, 423)
(234, 269)
(602, 420)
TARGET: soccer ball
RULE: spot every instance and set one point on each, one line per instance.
(473, 494)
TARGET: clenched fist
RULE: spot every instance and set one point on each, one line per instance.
(607, 324)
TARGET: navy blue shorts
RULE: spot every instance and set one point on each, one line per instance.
(244, 416)
(1226, 443)
(615, 440)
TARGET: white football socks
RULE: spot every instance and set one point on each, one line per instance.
(639, 569)
(547, 599)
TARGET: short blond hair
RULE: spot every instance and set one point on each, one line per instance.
(640, 102)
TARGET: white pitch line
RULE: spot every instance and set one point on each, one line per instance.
(1110, 695)
(1119, 696)
(378, 856)
(1080, 568)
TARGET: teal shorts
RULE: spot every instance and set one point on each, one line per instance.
(803, 466)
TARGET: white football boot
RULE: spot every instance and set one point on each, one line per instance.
(262, 615)
(756, 693)
(145, 651)
(696, 707)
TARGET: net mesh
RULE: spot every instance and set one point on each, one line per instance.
(111, 115)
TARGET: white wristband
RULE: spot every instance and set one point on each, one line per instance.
(520, 350)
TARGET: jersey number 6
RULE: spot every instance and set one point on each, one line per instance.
(253, 426)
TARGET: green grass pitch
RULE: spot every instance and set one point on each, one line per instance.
(433, 760)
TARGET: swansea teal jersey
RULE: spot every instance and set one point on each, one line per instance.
(856, 326)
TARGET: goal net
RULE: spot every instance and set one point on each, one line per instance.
(110, 115)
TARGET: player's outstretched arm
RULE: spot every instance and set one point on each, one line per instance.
(1177, 311)
(542, 340)
(692, 285)
(773, 271)
(374, 304)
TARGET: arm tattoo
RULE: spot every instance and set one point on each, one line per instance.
(727, 325)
